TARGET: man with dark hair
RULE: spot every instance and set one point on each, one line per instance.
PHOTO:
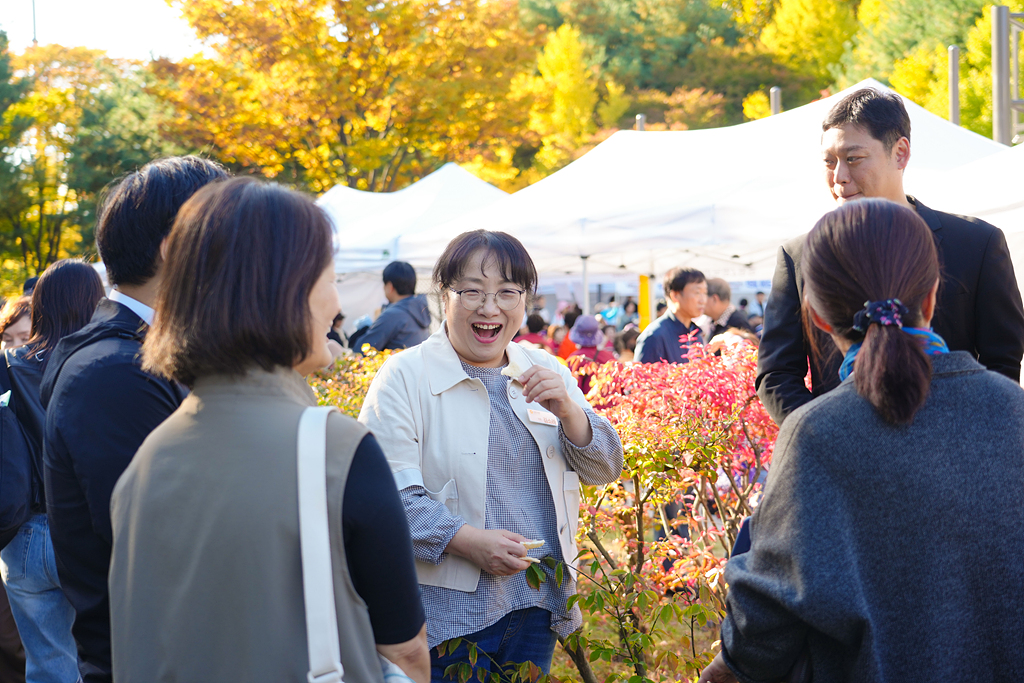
(100, 404)
(535, 334)
(724, 315)
(668, 338)
(866, 147)
(405, 321)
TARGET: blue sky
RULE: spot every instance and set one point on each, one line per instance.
(134, 29)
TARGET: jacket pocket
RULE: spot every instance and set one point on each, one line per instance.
(448, 495)
(571, 496)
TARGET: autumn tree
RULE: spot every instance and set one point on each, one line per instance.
(642, 44)
(82, 120)
(890, 30)
(921, 75)
(808, 35)
(373, 96)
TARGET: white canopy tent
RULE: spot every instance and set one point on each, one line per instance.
(991, 189)
(370, 227)
(721, 200)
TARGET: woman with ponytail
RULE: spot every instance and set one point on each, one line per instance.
(889, 545)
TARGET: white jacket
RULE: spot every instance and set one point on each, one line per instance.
(432, 422)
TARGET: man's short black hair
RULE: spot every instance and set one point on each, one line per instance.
(535, 323)
(677, 279)
(139, 210)
(29, 285)
(402, 277)
(880, 113)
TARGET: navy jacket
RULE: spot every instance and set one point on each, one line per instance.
(891, 554)
(979, 311)
(660, 340)
(401, 325)
(100, 406)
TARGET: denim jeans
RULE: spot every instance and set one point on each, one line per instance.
(44, 616)
(521, 636)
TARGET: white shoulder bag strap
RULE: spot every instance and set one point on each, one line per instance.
(314, 537)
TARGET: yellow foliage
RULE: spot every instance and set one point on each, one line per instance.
(372, 95)
(756, 105)
(922, 75)
(754, 15)
(809, 35)
(614, 106)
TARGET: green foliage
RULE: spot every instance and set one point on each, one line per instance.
(642, 44)
(889, 30)
(81, 119)
(922, 75)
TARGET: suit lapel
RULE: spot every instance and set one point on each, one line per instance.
(930, 217)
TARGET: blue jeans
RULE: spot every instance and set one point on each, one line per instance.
(521, 636)
(42, 613)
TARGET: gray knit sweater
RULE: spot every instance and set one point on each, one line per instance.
(894, 554)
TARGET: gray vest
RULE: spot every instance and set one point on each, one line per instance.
(205, 574)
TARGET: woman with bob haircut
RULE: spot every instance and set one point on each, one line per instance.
(63, 302)
(488, 442)
(205, 576)
(889, 545)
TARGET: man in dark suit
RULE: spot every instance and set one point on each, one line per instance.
(865, 148)
(100, 403)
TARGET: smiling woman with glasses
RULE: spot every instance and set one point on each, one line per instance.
(488, 442)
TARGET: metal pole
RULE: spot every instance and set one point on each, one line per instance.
(586, 287)
(1015, 73)
(641, 119)
(1001, 75)
(775, 97)
(954, 84)
(35, 43)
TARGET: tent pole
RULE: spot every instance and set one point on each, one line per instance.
(644, 305)
(586, 287)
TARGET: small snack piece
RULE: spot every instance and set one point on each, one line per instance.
(513, 370)
(534, 560)
(530, 545)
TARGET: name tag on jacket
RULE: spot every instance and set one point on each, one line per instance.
(542, 417)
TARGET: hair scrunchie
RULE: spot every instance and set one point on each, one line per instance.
(888, 312)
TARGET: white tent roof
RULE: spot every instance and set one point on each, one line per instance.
(369, 226)
(991, 189)
(719, 199)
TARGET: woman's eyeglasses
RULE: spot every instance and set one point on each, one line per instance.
(505, 299)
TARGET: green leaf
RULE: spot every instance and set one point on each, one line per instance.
(481, 674)
(534, 576)
(472, 654)
(573, 599)
(559, 574)
(465, 672)
(549, 561)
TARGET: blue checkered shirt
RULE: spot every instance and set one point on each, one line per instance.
(518, 500)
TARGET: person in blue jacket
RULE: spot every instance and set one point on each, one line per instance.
(405, 321)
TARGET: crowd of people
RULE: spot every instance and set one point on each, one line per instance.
(159, 535)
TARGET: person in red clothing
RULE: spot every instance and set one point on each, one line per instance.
(536, 335)
(567, 347)
(587, 336)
